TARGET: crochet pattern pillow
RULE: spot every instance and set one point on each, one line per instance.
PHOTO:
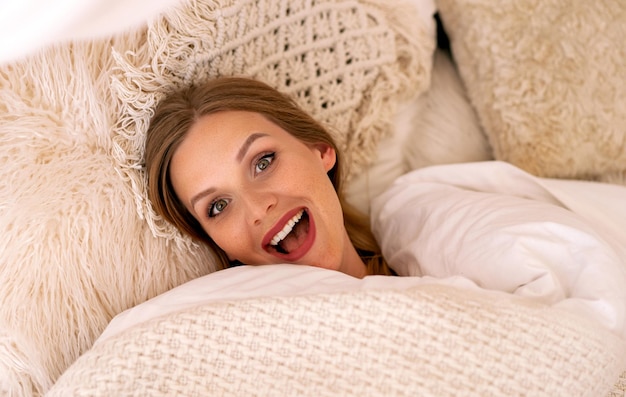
(547, 79)
(346, 62)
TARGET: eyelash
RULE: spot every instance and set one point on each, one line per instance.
(265, 157)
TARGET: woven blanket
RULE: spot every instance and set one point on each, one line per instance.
(427, 341)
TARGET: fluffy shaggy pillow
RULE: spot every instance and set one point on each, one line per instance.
(547, 80)
(78, 242)
(74, 251)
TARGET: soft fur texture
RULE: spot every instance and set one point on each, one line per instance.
(547, 80)
(74, 249)
(79, 241)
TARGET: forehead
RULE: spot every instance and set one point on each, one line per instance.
(217, 135)
(223, 134)
(214, 142)
(227, 127)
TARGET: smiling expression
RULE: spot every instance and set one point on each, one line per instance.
(261, 194)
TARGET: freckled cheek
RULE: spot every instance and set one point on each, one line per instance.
(225, 237)
(232, 238)
(306, 180)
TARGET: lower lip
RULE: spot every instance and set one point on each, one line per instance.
(302, 249)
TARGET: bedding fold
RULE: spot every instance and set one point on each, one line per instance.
(507, 230)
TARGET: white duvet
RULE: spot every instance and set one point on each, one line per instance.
(482, 226)
(559, 242)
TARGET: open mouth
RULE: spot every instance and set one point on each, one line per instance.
(292, 237)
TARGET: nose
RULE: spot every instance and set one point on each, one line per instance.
(258, 205)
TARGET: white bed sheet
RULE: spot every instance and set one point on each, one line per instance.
(559, 242)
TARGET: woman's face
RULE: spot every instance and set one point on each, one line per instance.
(261, 194)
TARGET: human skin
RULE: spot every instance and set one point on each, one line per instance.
(245, 179)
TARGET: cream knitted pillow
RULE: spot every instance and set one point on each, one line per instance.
(548, 81)
(427, 340)
(347, 62)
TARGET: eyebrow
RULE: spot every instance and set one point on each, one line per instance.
(246, 145)
(199, 196)
(240, 155)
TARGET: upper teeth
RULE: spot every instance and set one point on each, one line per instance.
(287, 229)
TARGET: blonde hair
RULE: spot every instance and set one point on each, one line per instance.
(177, 113)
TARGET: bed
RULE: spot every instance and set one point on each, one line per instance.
(492, 164)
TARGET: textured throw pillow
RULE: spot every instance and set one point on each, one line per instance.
(74, 251)
(346, 62)
(548, 81)
(423, 341)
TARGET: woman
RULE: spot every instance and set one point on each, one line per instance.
(238, 165)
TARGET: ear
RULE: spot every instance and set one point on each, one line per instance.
(327, 154)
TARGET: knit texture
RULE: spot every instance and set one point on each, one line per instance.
(547, 79)
(348, 63)
(426, 341)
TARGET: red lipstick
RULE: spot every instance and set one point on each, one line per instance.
(299, 251)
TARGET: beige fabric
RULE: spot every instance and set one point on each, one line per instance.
(348, 63)
(74, 251)
(76, 248)
(547, 79)
(619, 390)
(428, 341)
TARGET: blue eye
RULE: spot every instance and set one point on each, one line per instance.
(217, 207)
(264, 163)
